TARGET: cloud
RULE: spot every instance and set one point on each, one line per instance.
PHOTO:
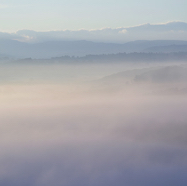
(168, 31)
(71, 133)
(124, 31)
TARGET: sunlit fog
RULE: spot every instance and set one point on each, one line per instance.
(104, 124)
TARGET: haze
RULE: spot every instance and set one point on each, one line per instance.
(93, 124)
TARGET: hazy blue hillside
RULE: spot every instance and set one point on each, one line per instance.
(153, 74)
(167, 49)
(50, 49)
(158, 79)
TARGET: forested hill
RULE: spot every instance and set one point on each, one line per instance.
(124, 57)
(120, 57)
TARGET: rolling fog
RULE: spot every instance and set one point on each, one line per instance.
(108, 124)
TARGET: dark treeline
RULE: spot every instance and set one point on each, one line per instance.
(178, 56)
(120, 57)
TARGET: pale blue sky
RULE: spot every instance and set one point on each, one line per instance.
(43, 15)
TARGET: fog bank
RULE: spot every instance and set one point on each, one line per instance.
(93, 125)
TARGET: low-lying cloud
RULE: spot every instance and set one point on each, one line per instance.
(67, 132)
(169, 31)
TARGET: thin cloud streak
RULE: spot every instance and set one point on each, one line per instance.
(169, 31)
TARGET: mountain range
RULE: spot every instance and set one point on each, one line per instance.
(49, 49)
(167, 37)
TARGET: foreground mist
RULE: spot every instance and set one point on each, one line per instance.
(105, 124)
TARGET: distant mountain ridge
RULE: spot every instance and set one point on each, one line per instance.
(167, 49)
(51, 49)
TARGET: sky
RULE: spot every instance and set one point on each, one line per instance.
(47, 15)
